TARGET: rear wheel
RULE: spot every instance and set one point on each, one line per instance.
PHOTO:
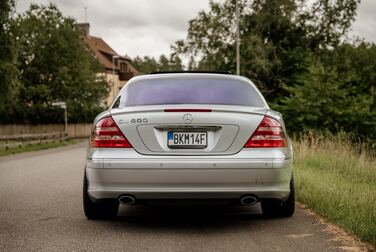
(98, 210)
(278, 208)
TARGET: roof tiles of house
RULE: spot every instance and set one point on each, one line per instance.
(104, 53)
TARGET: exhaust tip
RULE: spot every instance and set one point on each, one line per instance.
(248, 200)
(127, 199)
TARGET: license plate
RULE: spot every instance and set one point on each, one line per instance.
(187, 140)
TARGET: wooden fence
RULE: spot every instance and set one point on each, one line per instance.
(14, 141)
(79, 130)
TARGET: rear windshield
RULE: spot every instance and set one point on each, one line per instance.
(195, 90)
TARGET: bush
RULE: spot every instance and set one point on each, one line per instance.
(323, 100)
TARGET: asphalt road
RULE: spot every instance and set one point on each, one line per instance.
(41, 210)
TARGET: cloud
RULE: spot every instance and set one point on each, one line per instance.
(132, 27)
(365, 23)
(149, 27)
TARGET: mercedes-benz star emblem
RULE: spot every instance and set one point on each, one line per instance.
(188, 118)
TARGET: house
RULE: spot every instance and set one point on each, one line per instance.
(117, 69)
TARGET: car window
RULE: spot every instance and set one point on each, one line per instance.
(195, 90)
(117, 103)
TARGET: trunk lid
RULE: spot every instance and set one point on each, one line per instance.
(227, 128)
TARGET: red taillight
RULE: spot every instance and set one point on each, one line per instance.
(106, 134)
(269, 134)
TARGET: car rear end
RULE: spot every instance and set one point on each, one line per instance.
(189, 136)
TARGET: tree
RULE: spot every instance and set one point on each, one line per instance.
(326, 21)
(276, 37)
(292, 50)
(175, 63)
(55, 63)
(8, 70)
(149, 64)
(329, 97)
(146, 64)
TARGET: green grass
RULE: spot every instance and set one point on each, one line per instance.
(338, 181)
(35, 147)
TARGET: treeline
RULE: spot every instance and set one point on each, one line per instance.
(148, 64)
(43, 59)
(296, 51)
(298, 54)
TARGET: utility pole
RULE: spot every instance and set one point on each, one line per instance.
(237, 39)
(113, 75)
(65, 119)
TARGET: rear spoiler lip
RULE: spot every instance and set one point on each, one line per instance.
(183, 108)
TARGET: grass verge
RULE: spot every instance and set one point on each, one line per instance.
(35, 147)
(338, 181)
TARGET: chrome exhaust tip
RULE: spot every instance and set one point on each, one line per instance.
(248, 200)
(127, 199)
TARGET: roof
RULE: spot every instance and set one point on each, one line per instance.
(104, 53)
(102, 50)
(100, 45)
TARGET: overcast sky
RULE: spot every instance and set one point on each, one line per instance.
(149, 27)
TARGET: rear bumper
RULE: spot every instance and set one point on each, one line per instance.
(216, 177)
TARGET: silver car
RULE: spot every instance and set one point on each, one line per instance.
(189, 137)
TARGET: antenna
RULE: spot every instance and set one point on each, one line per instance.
(85, 8)
(237, 38)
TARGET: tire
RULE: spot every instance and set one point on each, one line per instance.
(278, 208)
(98, 210)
